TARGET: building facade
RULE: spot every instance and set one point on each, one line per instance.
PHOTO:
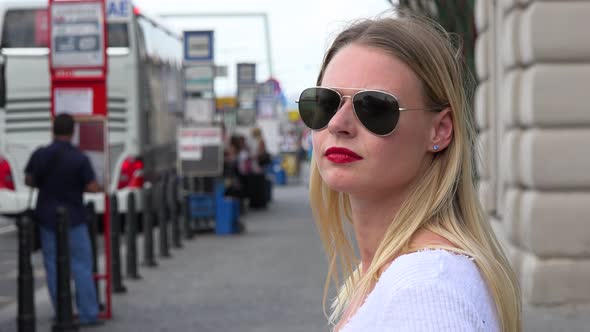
(532, 109)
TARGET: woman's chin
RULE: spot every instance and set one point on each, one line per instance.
(340, 182)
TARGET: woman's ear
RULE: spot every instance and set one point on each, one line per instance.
(442, 130)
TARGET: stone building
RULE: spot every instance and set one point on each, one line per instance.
(532, 108)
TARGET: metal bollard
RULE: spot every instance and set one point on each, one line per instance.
(131, 258)
(148, 229)
(184, 206)
(92, 222)
(188, 229)
(172, 203)
(65, 316)
(118, 286)
(162, 222)
(26, 280)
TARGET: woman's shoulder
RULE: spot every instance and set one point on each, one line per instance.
(434, 267)
(430, 265)
(436, 284)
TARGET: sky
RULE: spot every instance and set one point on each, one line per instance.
(300, 33)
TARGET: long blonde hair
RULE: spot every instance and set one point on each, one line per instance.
(444, 200)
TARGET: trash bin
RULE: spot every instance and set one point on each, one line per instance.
(226, 218)
(201, 205)
(280, 177)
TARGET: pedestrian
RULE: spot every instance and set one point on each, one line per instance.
(261, 157)
(393, 152)
(61, 173)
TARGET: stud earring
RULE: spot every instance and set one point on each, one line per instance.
(436, 148)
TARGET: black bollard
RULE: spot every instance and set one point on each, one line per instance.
(132, 238)
(65, 316)
(173, 207)
(148, 231)
(162, 222)
(118, 286)
(92, 221)
(186, 213)
(26, 280)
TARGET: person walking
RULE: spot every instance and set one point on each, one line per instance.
(393, 151)
(62, 173)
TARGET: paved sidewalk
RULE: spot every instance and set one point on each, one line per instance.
(268, 279)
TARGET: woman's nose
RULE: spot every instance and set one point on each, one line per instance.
(343, 122)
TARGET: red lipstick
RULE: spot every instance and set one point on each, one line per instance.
(341, 155)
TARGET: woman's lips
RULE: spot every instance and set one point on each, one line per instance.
(341, 155)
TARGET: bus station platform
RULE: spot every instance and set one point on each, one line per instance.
(269, 278)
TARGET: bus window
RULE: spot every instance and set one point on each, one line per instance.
(25, 28)
(118, 35)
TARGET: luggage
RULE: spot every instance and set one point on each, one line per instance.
(257, 190)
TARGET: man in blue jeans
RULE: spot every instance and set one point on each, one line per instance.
(62, 173)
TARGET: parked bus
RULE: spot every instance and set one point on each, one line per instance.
(144, 89)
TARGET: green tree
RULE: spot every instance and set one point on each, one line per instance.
(456, 16)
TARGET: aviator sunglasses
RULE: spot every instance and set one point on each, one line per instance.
(378, 111)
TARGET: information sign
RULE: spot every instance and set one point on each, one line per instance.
(200, 151)
(199, 78)
(74, 101)
(198, 46)
(77, 34)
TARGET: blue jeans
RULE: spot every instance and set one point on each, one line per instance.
(81, 269)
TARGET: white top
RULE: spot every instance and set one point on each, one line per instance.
(428, 290)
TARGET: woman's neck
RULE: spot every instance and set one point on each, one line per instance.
(371, 218)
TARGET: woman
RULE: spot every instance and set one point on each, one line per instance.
(260, 155)
(393, 148)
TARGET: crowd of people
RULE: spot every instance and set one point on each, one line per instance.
(245, 160)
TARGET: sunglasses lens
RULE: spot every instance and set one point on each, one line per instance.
(317, 106)
(377, 111)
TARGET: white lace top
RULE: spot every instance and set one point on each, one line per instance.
(429, 290)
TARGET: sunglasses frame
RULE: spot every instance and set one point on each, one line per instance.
(359, 90)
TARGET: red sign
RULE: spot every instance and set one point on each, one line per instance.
(78, 60)
(77, 38)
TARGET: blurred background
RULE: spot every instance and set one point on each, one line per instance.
(232, 70)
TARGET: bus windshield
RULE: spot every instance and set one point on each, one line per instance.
(28, 28)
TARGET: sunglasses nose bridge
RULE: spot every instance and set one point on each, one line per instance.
(341, 120)
(343, 100)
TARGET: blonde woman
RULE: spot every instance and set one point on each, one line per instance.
(393, 145)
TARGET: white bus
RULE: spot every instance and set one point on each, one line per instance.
(145, 99)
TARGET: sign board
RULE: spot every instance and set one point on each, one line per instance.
(198, 46)
(199, 77)
(74, 101)
(78, 67)
(220, 71)
(77, 34)
(90, 137)
(246, 73)
(199, 110)
(267, 107)
(266, 89)
(200, 151)
(118, 10)
(247, 97)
